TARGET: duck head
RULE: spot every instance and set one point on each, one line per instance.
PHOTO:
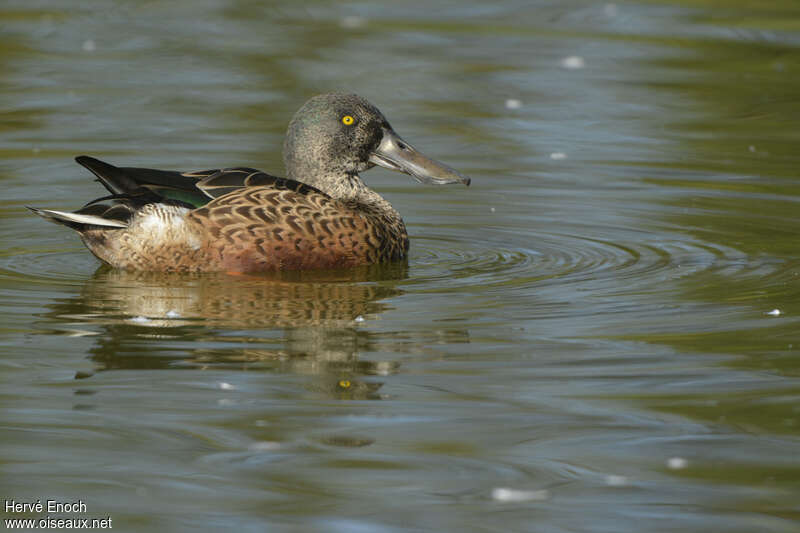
(334, 137)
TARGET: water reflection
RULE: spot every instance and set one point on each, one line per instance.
(310, 322)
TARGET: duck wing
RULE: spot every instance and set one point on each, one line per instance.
(227, 180)
(189, 189)
(147, 185)
(132, 188)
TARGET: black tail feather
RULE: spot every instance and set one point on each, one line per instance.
(140, 186)
(114, 179)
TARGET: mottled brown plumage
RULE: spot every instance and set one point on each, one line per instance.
(243, 220)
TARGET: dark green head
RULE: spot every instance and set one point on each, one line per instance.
(334, 137)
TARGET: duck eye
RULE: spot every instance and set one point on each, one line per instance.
(347, 120)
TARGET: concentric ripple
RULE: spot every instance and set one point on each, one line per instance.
(501, 258)
(492, 258)
(539, 269)
(68, 268)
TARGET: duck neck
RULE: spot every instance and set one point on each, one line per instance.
(351, 190)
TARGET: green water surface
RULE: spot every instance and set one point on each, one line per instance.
(601, 334)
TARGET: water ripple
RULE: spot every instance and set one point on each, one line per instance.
(66, 268)
(500, 258)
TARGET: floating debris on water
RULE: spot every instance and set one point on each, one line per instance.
(89, 45)
(573, 62)
(775, 312)
(352, 22)
(80, 333)
(173, 314)
(359, 318)
(492, 209)
(347, 441)
(264, 446)
(502, 494)
(614, 480)
(513, 103)
(557, 156)
(140, 319)
(677, 463)
(225, 386)
(384, 368)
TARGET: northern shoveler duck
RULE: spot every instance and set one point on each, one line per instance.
(243, 220)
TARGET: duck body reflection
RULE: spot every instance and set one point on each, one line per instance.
(309, 323)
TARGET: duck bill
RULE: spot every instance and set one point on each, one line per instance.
(396, 154)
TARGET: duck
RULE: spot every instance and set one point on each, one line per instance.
(320, 216)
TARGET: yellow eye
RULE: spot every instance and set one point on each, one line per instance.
(347, 120)
(345, 384)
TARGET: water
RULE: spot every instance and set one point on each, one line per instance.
(581, 341)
